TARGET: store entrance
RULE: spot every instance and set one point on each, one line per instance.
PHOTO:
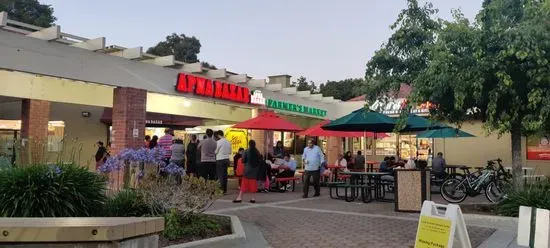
(7, 144)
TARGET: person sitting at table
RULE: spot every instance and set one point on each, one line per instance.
(349, 159)
(279, 150)
(387, 166)
(438, 165)
(325, 172)
(289, 167)
(342, 163)
(359, 161)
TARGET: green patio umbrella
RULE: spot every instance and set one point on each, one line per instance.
(417, 123)
(443, 133)
(363, 119)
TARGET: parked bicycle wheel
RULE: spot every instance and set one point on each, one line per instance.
(496, 191)
(454, 190)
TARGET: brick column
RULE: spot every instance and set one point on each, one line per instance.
(334, 147)
(35, 115)
(129, 107)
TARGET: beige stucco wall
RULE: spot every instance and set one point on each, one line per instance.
(80, 133)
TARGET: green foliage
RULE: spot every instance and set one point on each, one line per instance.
(184, 48)
(343, 89)
(126, 203)
(405, 54)
(29, 11)
(303, 85)
(51, 191)
(197, 225)
(535, 195)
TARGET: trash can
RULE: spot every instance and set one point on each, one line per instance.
(412, 188)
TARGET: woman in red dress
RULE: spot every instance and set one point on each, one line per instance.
(251, 159)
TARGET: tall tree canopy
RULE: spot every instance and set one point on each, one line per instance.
(343, 89)
(405, 54)
(29, 11)
(495, 69)
(184, 48)
(303, 85)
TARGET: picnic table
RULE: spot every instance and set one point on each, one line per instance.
(335, 169)
(358, 182)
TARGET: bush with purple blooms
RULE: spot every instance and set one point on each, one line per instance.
(51, 191)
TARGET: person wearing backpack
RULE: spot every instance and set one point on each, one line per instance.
(251, 159)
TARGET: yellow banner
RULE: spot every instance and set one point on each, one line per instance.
(433, 232)
(238, 138)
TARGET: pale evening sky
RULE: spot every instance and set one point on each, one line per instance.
(319, 39)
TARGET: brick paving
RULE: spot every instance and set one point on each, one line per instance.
(286, 221)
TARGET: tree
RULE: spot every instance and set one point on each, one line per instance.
(495, 69)
(29, 11)
(343, 89)
(184, 48)
(405, 53)
(303, 85)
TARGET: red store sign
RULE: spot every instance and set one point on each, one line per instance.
(212, 88)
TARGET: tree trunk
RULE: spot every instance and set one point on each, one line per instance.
(517, 170)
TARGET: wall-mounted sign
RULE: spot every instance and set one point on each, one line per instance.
(157, 122)
(394, 107)
(257, 98)
(297, 108)
(212, 88)
(538, 147)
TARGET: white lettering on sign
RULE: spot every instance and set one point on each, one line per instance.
(257, 98)
(158, 122)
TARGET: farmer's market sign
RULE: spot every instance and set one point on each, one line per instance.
(297, 108)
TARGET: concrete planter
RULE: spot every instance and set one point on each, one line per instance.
(236, 238)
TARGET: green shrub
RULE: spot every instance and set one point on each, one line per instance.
(534, 195)
(126, 203)
(51, 191)
(190, 225)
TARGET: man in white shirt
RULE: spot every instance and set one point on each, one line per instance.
(223, 152)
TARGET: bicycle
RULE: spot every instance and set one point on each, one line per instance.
(493, 182)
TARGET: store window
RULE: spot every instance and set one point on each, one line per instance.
(387, 146)
(362, 143)
(410, 146)
(287, 138)
(56, 133)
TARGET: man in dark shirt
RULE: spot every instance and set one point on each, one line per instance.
(191, 154)
(359, 161)
(101, 154)
(438, 165)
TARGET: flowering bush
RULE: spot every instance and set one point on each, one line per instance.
(51, 191)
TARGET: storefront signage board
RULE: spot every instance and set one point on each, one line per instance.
(538, 147)
(238, 138)
(257, 98)
(394, 107)
(438, 224)
(297, 108)
(200, 86)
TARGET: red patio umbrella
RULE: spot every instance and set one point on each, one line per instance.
(269, 121)
(317, 130)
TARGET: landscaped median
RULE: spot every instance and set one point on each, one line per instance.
(68, 203)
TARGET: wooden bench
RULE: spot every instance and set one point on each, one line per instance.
(284, 181)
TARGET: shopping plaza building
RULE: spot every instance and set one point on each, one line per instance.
(71, 92)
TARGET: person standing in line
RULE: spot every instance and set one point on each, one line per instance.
(223, 152)
(312, 157)
(178, 152)
(154, 142)
(251, 159)
(191, 155)
(208, 156)
(147, 141)
(101, 155)
(165, 143)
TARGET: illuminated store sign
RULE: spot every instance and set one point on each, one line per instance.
(297, 108)
(394, 107)
(257, 98)
(212, 88)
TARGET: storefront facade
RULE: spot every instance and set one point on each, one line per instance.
(59, 90)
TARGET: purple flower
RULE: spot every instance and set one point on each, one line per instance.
(173, 169)
(112, 164)
(54, 169)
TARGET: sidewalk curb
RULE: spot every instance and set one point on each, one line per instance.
(238, 236)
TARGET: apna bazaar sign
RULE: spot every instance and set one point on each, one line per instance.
(296, 108)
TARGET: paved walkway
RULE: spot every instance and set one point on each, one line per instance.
(286, 220)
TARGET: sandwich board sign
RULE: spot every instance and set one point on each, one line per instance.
(533, 227)
(438, 224)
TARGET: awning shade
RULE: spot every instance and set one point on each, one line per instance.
(269, 121)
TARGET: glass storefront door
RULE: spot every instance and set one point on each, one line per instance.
(7, 144)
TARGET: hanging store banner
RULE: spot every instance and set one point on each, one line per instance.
(297, 108)
(538, 147)
(200, 86)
